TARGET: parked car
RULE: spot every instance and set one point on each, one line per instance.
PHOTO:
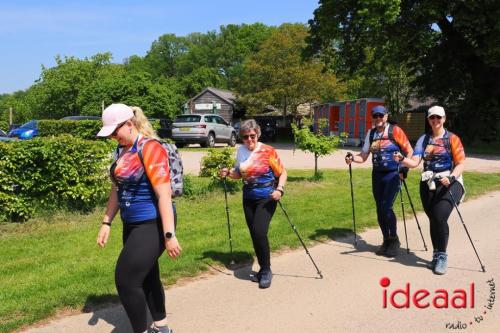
(81, 118)
(26, 131)
(4, 137)
(205, 129)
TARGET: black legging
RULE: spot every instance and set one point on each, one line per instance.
(438, 207)
(258, 214)
(137, 274)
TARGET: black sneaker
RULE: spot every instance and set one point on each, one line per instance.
(162, 329)
(256, 277)
(265, 279)
(393, 248)
(381, 250)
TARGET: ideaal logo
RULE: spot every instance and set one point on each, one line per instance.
(440, 299)
(423, 298)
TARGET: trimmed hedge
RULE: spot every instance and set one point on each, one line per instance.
(52, 173)
(84, 129)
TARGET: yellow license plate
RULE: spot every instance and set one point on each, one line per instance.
(184, 129)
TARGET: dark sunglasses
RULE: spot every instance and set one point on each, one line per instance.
(377, 115)
(435, 117)
(251, 136)
(117, 129)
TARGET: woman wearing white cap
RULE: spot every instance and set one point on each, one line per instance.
(141, 191)
(443, 155)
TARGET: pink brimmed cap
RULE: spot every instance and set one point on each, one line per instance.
(114, 115)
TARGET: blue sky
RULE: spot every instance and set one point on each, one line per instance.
(32, 33)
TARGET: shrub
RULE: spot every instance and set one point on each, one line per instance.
(4, 125)
(213, 162)
(52, 173)
(84, 129)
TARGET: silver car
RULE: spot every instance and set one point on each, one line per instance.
(205, 129)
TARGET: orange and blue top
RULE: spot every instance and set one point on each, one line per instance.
(259, 169)
(438, 155)
(135, 181)
(382, 148)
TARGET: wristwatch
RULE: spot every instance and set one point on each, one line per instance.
(169, 235)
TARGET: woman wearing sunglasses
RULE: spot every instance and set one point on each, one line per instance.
(382, 141)
(264, 178)
(444, 156)
(141, 192)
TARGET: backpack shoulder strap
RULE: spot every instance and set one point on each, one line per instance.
(372, 134)
(446, 140)
(427, 138)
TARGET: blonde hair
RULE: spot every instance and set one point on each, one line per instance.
(142, 123)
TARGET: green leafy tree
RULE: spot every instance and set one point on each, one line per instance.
(316, 143)
(450, 47)
(277, 75)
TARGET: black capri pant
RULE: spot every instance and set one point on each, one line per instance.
(137, 274)
(438, 206)
(258, 214)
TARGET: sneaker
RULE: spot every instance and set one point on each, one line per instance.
(432, 264)
(265, 279)
(393, 247)
(162, 329)
(256, 277)
(381, 250)
(441, 263)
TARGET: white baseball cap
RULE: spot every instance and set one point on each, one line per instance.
(114, 115)
(436, 111)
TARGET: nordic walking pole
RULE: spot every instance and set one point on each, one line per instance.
(465, 227)
(300, 239)
(403, 209)
(228, 223)
(404, 218)
(349, 155)
(414, 213)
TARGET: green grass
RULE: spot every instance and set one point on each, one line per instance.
(53, 263)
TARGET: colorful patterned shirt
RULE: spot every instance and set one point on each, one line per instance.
(382, 148)
(259, 169)
(437, 157)
(136, 197)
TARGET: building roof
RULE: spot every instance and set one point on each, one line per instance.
(226, 95)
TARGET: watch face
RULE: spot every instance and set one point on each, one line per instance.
(169, 235)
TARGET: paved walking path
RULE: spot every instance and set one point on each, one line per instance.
(348, 299)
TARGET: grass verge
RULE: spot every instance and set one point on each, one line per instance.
(53, 263)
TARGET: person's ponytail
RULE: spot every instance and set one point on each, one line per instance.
(142, 123)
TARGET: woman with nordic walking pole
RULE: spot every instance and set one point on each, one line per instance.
(441, 185)
(382, 141)
(264, 178)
